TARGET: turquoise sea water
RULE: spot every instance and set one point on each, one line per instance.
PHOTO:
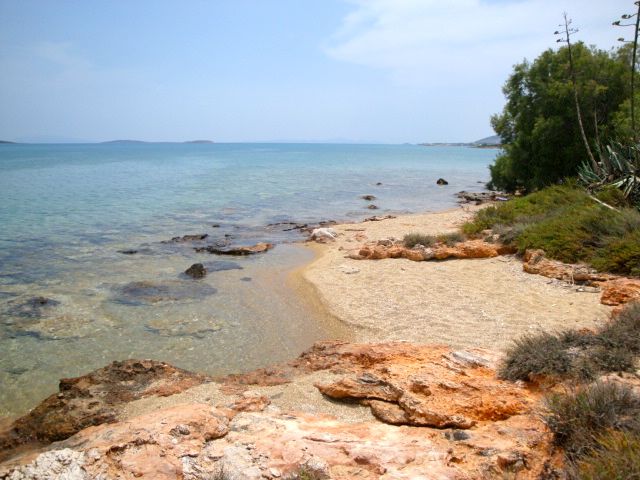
(66, 212)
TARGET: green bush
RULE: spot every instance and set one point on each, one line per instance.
(577, 418)
(412, 239)
(569, 226)
(615, 457)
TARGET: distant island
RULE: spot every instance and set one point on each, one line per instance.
(6, 141)
(488, 142)
(135, 142)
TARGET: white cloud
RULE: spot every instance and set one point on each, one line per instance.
(461, 41)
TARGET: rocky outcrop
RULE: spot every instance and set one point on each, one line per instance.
(478, 198)
(463, 250)
(238, 251)
(620, 291)
(96, 398)
(187, 238)
(485, 428)
(536, 262)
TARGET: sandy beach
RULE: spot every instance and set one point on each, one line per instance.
(462, 303)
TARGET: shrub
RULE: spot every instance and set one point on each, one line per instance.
(576, 354)
(569, 226)
(412, 239)
(542, 354)
(578, 418)
(616, 457)
(450, 239)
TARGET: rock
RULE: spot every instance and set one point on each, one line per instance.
(33, 307)
(197, 328)
(96, 398)
(245, 279)
(322, 235)
(348, 269)
(463, 250)
(379, 183)
(368, 198)
(366, 385)
(64, 464)
(372, 207)
(620, 291)
(238, 251)
(197, 270)
(496, 424)
(535, 262)
(221, 265)
(128, 252)
(442, 181)
(187, 238)
(379, 218)
(149, 293)
(481, 197)
(215, 225)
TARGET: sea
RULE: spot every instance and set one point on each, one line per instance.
(89, 272)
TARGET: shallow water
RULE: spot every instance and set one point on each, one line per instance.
(70, 301)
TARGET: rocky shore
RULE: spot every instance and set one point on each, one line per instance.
(415, 397)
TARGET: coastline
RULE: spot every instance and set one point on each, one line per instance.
(478, 303)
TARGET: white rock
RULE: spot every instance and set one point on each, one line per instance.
(324, 234)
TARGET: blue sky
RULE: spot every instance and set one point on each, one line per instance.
(388, 71)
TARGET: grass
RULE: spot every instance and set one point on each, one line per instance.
(579, 418)
(617, 457)
(569, 226)
(412, 239)
(575, 354)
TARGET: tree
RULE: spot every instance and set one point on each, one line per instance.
(538, 125)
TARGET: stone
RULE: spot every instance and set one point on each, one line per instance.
(442, 181)
(536, 262)
(187, 238)
(620, 291)
(368, 197)
(197, 270)
(348, 269)
(149, 293)
(372, 207)
(322, 235)
(237, 251)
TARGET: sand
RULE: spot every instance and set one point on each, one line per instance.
(462, 303)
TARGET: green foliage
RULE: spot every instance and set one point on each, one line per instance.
(569, 226)
(542, 142)
(578, 355)
(578, 418)
(615, 457)
(450, 239)
(410, 240)
(612, 196)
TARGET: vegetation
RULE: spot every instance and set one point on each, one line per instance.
(617, 457)
(577, 419)
(568, 225)
(576, 354)
(539, 127)
(412, 239)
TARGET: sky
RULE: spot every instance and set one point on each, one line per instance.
(370, 71)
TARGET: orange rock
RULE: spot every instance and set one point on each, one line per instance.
(620, 291)
(535, 262)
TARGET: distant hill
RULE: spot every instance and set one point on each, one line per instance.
(6, 141)
(125, 142)
(199, 141)
(493, 140)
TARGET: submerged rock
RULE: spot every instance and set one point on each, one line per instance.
(198, 328)
(372, 207)
(368, 197)
(221, 265)
(442, 181)
(197, 270)
(148, 293)
(33, 307)
(238, 251)
(187, 238)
